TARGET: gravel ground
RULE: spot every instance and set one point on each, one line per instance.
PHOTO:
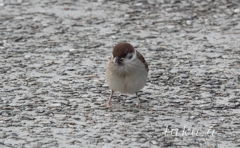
(53, 56)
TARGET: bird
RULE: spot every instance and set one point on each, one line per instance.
(126, 71)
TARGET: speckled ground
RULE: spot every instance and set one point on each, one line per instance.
(53, 56)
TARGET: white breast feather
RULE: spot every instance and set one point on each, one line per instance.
(128, 78)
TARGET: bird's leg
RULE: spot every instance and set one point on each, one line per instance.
(109, 100)
(138, 102)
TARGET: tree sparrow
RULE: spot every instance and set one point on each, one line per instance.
(126, 71)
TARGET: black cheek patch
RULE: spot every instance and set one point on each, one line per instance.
(130, 56)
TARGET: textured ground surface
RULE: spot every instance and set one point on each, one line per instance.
(52, 63)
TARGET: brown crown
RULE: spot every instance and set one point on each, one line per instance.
(121, 49)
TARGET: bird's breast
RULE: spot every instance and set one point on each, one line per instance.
(128, 78)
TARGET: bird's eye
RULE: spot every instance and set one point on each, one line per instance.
(125, 54)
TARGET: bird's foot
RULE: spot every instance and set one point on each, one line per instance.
(138, 105)
(109, 105)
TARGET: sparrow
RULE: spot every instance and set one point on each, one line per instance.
(126, 71)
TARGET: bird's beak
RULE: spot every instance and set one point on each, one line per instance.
(116, 59)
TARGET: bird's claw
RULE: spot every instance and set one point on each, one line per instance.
(138, 105)
(109, 105)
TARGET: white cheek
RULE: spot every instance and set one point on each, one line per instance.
(112, 59)
(127, 60)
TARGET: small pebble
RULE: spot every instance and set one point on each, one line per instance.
(236, 10)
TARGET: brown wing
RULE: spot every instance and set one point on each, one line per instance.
(140, 57)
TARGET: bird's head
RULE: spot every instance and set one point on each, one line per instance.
(123, 53)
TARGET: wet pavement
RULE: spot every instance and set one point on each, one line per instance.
(53, 56)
